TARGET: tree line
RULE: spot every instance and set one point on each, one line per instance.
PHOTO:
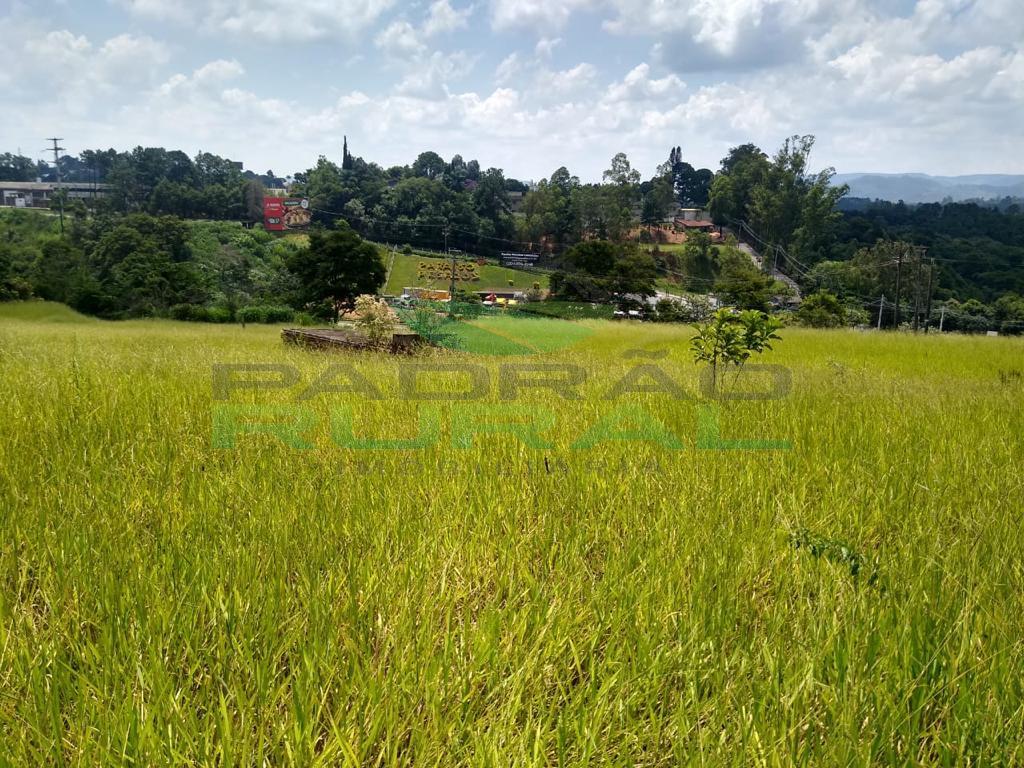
(777, 203)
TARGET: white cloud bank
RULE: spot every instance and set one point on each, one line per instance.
(938, 89)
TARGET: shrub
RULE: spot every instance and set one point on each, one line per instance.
(535, 294)
(691, 309)
(669, 311)
(197, 313)
(279, 314)
(254, 314)
(376, 319)
(265, 314)
(856, 316)
(14, 289)
(821, 310)
(190, 312)
(432, 326)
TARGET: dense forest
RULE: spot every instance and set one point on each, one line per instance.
(979, 250)
(136, 251)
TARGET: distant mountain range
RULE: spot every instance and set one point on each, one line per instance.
(922, 188)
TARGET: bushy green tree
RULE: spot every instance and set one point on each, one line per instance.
(16, 167)
(743, 285)
(821, 310)
(1008, 311)
(657, 201)
(337, 266)
(599, 270)
(743, 169)
(429, 165)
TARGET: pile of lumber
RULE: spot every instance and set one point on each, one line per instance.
(402, 340)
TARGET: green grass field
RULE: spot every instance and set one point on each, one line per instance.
(404, 274)
(857, 599)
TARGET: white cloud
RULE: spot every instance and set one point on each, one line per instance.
(546, 46)
(430, 77)
(1008, 82)
(423, 72)
(207, 79)
(268, 19)
(937, 87)
(219, 70)
(400, 40)
(568, 82)
(637, 85)
(878, 75)
(509, 67)
(157, 9)
(540, 15)
(443, 18)
(70, 71)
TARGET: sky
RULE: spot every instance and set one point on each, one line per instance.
(933, 86)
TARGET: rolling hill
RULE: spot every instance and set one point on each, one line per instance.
(922, 188)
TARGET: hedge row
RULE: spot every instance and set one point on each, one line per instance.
(252, 314)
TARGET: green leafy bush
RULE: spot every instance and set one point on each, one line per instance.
(821, 310)
(376, 319)
(197, 313)
(265, 314)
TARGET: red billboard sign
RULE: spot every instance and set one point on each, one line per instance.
(280, 213)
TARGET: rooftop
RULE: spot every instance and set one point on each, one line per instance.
(46, 186)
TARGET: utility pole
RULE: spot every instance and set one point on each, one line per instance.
(56, 163)
(451, 289)
(896, 308)
(942, 318)
(881, 306)
(928, 311)
(919, 252)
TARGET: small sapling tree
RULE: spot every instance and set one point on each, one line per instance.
(731, 338)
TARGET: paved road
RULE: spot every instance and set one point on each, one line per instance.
(756, 258)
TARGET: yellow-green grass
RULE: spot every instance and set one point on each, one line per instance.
(167, 602)
(404, 274)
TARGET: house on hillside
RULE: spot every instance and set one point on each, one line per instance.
(692, 214)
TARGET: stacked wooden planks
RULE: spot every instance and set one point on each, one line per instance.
(403, 339)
